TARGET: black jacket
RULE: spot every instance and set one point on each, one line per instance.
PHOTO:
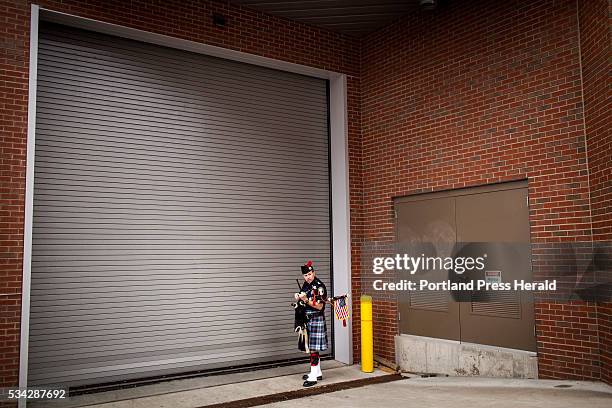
(315, 289)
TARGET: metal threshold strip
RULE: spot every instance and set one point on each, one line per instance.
(117, 385)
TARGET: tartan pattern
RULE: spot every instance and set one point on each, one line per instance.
(317, 332)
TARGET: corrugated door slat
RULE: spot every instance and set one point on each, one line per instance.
(175, 197)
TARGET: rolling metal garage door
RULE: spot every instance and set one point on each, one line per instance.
(176, 196)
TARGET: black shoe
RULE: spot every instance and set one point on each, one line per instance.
(309, 383)
(305, 377)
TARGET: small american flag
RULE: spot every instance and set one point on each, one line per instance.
(341, 309)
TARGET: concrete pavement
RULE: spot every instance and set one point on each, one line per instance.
(472, 392)
(410, 392)
(197, 392)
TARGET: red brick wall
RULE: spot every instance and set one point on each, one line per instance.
(568, 343)
(246, 30)
(595, 37)
(604, 320)
(471, 95)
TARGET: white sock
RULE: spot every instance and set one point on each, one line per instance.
(313, 374)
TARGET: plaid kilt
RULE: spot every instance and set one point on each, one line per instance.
(317, 332)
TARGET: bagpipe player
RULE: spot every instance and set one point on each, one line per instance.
(313, 294)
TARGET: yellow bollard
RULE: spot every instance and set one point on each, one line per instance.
(367, 334)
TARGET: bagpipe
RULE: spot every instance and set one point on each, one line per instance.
(339, 303)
